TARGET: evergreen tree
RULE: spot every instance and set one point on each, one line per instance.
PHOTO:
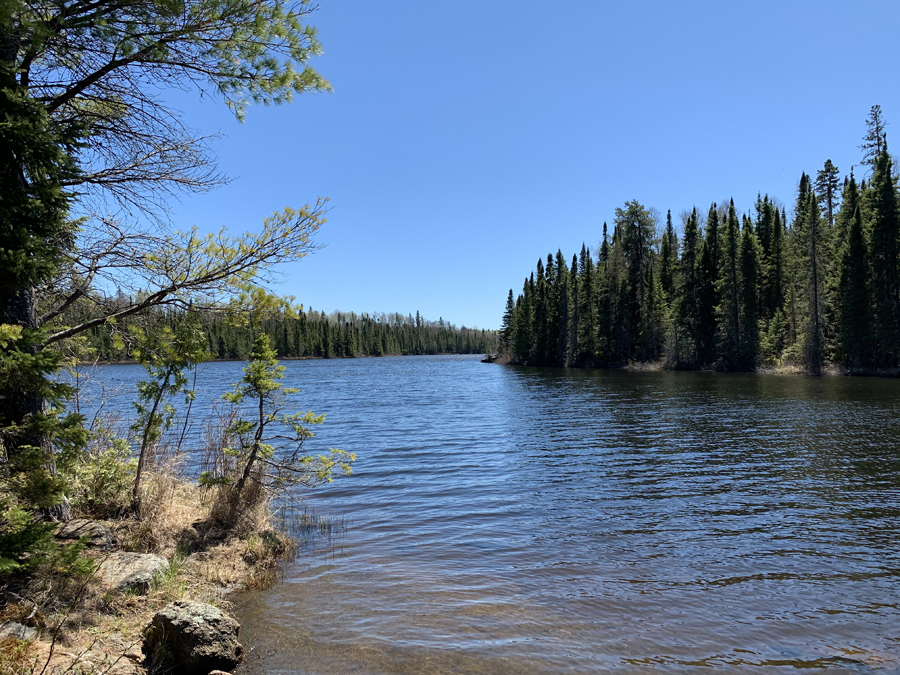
(884, 229)
(853, 312)
(875, 140)
(523, 339)
(827, 184)
(585, 327)
(574, 304)
(668, 257)
(507, 326)
(707, 297)
(728, 310)
(539, 317)
(749, 283)
(688, 286)
(637, 229)
(562, 308)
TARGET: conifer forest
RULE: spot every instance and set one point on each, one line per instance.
(309, 334)
(810, 285)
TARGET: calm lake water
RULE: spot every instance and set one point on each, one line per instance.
(510, 520)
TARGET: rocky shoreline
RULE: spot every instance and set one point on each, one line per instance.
(157, 598)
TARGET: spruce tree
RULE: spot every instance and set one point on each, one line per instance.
(562, 308)
(539, 316)
(522, 337)
(586, 328)
(875, 140)
(707, 297)
(884, 229)
(687, 288)
(574, 304)
(749, 283)
(507, 326)
(853, 303)
(668, 257)
(637, 229)
(728, 309)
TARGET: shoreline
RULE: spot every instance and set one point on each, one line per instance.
(829, 370)
(89, 626)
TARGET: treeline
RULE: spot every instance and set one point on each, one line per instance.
(734, 291)
(311, 334)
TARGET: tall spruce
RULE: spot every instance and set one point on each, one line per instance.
(884, 229)
(506, 328)
(875, 140)
(749, 284)
(585, 327)
(707, 296)
(728, 309)
(637, 229)
(562, 307)
(574, 304)
(687, 289)
(668, 257)
(853, 308)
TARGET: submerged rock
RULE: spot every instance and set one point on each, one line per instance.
(197, 637)
(98, 535)
(131, 571)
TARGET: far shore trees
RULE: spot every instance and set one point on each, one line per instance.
(763, 290)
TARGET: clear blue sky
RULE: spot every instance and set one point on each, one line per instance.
(462, 142)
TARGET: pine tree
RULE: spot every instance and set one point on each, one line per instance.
(827, 184)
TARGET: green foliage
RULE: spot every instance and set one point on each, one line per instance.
(166, 356)
(26, 544)
(267, 442)
(100, 481)
(36, 159)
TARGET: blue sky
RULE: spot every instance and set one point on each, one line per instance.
(462, 142)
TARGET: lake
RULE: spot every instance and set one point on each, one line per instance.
(509, 520)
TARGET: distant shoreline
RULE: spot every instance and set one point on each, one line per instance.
(132, 362)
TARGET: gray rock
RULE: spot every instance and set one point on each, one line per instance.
(131, 571)
(198, 638)
(11, 629)
(98, 535)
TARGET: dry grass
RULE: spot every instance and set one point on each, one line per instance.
(99, 631)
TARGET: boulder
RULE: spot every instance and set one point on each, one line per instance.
(98, 535)
(198, 638)
(11, 629)
(131, 571)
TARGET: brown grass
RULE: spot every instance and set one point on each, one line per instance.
(98, 631)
